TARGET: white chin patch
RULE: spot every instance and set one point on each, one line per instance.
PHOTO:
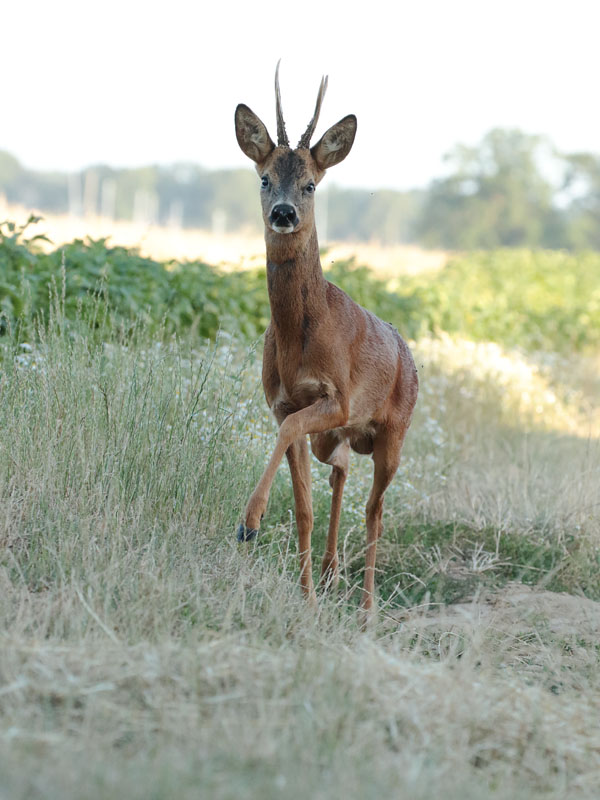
(283, 229)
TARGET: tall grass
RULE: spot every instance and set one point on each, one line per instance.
(143, 653)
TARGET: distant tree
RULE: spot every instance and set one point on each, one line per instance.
(34, 189)
(384, 215)
(495, 195)
(582, 183)
(10, 171)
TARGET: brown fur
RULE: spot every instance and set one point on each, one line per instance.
(331, 369)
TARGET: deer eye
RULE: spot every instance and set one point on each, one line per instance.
(264, 181)
(310, 188)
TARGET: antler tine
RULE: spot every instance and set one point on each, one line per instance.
(282, 137)
(307, 135)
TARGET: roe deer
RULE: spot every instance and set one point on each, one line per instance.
(331, 369)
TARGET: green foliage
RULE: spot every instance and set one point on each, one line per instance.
(518, 298)
(135, 289)
(530, 299)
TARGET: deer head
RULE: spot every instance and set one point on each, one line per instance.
(289, 176)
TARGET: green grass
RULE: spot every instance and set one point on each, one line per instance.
(447, 562)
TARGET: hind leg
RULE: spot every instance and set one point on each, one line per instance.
(386, 457)
(330, 450)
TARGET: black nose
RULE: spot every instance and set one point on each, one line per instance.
(284, 215)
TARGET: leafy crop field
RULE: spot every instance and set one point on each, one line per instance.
(145, 654)
(518, 298)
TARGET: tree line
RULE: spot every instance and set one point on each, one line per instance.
(512, 189)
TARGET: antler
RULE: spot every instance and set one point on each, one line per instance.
(307, 135)
(282, 137)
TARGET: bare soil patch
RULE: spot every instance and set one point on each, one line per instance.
(512, 609)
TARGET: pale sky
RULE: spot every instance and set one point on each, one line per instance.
(129, 83)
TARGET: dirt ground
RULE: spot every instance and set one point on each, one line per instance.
(515, 608)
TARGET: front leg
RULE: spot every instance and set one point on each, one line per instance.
(299, 461)
(325, 414)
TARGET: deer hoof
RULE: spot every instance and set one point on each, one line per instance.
(245, 534)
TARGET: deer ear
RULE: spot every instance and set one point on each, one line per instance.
(335, 144)
(252, 135)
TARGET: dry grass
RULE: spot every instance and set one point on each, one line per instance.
(144, 654)
(390, 261)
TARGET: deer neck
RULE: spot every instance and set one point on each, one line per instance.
(297, 288)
